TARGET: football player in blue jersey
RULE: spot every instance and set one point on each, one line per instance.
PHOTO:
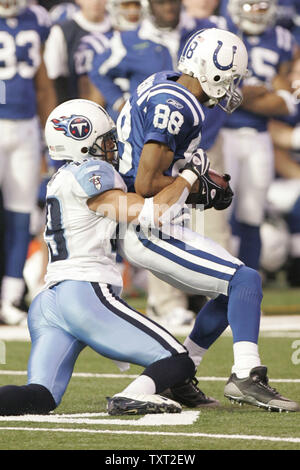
(131, 56)
(63, 41)
(159, 131)
(154, 46)
(28, 100)
(63, 11)
(248, 147)
(80, 304)
(125, 15)
(284, 193)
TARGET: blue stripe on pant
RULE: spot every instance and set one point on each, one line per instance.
(64, 319)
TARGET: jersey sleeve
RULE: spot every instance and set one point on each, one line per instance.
(286, 44)
(43, 20)
(90, 46)
(109, 66)
(171, 118)
(95, 177)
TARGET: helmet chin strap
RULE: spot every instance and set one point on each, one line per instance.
(211, 102)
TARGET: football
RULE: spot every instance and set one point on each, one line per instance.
(220, 180)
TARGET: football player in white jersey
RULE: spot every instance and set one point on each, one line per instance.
(80, 304)
(159, 128)
(29, 97)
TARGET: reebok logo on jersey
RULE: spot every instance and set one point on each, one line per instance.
(77, 127)
(175, 103)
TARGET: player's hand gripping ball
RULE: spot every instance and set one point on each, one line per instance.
(214, 191)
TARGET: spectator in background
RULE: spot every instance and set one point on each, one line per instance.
(29, 99)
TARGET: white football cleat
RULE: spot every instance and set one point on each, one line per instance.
(139, 404)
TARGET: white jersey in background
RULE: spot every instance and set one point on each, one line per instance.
(80, 240)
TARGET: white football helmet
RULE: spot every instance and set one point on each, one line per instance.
(10, 8)
(80, 129)
(276, 240)
(252, 16)
(125, 19)
(218, 59)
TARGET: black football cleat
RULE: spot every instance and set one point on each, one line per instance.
(255, 390)
(130, 404)
(188, 394)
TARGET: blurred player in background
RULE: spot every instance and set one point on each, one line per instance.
(284, 193)
(63, 41)
(248, 147)
(29, 99)
(160, 131)
(80, 304)
(124, 16)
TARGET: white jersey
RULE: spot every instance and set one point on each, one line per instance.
(80, 241)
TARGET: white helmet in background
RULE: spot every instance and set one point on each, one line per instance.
(125, 15)
(218, 59)
(80, 129)
(275, 239)
(10, 8)
(252, 16)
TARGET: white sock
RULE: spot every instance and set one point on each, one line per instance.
(12, 289)
(143, 385)
(196, 353)
(246, 357)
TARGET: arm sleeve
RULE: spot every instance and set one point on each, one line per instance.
(95, 177)
(107, 67)
(55, 55)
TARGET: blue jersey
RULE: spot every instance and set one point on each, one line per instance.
(128, 57)
(160, 110)
(267, 52)
(21, 39)
(135, 55)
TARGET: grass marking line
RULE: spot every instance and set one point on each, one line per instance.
(134, 376)
(165, 419)
(159, 433)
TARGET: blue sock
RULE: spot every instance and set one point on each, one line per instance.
(293, 218)
(244, 305)
(210, 322)
(250, 242)
(16, 242)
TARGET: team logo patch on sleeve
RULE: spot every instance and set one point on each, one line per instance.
(96, 180)
(77, 127)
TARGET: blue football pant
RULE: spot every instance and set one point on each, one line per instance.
(71, 315)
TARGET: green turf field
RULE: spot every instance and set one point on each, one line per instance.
(86, 426)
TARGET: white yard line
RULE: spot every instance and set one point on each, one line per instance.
(274, 325)
(158, 433)
(134, 376)
(165, 419)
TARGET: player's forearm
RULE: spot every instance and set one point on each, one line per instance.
(270, 104)
(45, 94)
(285, 166)
(151, 185)
(281, 134)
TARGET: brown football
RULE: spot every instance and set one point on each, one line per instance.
(220, 180)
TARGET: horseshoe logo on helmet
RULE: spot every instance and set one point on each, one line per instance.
(215, 57)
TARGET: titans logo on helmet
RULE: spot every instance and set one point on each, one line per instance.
(77, 127)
